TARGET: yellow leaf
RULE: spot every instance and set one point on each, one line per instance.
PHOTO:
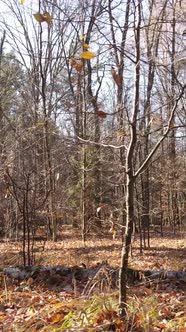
(39, 17)
(82, 38)
(87, 55)
(22, 2)
(47, 17)
(119, 324)
(86, 46)
(2, 317)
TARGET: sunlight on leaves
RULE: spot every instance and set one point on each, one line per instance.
(82, 38)
(87, 55)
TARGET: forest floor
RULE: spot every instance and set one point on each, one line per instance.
(47, 305)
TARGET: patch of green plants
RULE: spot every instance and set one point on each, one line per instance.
(90, 312)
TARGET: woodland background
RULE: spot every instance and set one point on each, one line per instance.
(92, 123)
(66, 118)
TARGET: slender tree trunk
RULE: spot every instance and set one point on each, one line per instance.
(129, 200)
(172, 140)
(1, 54)
(84, 164)
(152, 40)
(47, 149)
(119, 60)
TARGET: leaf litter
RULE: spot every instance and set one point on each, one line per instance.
(54, 303)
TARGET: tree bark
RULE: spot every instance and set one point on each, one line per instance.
(129, 200)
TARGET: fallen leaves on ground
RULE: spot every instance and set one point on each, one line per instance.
(51, 303)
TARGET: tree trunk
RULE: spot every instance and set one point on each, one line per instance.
(129, 200)
(127, 243)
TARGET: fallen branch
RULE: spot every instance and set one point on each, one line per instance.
(102, 272)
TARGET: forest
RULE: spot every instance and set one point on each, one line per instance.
(93, 165)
